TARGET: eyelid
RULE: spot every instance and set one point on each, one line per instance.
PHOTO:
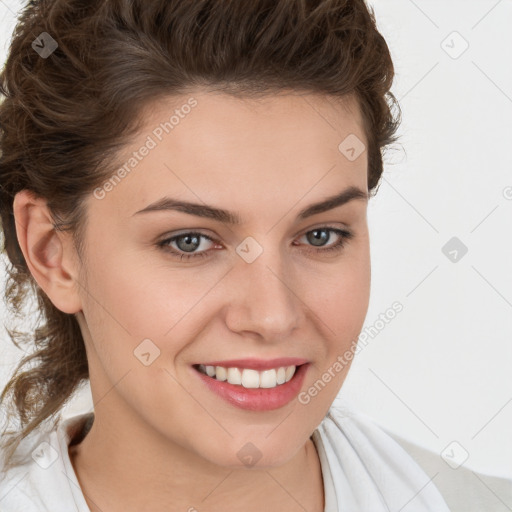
(319, 225)
(172, 237)
(344, 233)
(324, 225)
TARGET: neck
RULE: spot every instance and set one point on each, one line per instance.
(124, 465)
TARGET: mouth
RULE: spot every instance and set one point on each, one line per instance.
(253, 390)
(249, 378)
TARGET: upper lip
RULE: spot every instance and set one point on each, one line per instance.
(258, 364)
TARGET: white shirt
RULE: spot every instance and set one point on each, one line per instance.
(364, 470)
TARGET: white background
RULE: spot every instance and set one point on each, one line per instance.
(440, 370)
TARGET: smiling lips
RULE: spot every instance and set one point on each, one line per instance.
(252, 373)
(249, 378)
(253, 384)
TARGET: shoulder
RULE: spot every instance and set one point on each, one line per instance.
(461, 489)
(39, 480)
(369, 470)
(21, 483)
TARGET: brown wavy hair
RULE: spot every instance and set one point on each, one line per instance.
(64, 117)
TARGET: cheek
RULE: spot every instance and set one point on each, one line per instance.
(341, 303)
(340, 308)
(341, 293)
(132, 299)
(141, 298)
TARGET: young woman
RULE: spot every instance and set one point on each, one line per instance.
(184, 189)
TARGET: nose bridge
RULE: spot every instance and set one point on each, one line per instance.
(266, 297)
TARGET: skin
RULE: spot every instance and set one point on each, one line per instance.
(161, 440)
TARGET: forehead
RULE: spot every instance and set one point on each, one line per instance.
(217, 148)
(215, 115)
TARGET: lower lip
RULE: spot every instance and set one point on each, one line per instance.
(257, 399)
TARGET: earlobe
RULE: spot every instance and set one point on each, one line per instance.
(46, 251)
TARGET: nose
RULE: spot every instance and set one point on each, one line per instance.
(263, 299)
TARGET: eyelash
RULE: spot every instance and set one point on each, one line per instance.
(345, 236)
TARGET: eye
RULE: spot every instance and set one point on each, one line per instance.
(319, 236)
(187, 243)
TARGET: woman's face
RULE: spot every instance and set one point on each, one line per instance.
(274, 285)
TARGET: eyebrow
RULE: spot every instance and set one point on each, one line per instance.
(225, 216)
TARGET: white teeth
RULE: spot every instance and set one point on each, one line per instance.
(290, 370)
(268, 379)
(234, 376)
(249, 378)
(221, 373)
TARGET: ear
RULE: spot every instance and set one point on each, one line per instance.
(49, 254)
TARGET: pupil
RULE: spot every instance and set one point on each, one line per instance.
(322, 238)
(185, 247)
